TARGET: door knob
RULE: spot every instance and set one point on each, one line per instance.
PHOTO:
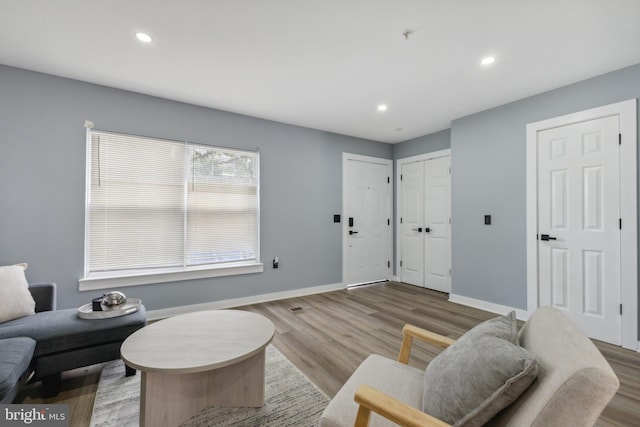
(352, 232)
(546, 237)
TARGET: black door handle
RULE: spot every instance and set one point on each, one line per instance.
(546, 237)
(353, 232)
(419, 229)
(427, 230)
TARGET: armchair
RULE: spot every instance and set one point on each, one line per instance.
(574, 382)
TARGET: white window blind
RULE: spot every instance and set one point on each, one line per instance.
(156, 204)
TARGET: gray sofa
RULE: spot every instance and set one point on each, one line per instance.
(52, 341)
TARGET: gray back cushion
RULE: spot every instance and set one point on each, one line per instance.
(483, 372)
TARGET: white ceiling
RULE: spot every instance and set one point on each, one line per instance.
(327, 64)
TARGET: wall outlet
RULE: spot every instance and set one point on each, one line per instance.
(275, 262)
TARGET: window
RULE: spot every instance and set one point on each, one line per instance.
(157, 206)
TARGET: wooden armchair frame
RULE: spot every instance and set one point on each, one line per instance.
(399, 412)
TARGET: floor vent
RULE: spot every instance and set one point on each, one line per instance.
(295, 309)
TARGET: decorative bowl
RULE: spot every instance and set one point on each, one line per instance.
(113, 300)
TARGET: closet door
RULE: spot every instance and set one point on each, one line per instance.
(437, 230)
(412, 223)
(425, 229)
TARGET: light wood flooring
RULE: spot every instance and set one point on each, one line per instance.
(335, 331)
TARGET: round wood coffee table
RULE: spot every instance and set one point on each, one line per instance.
(195, 360)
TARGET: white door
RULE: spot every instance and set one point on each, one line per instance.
(579, 224)
(424, 223)
(412, 223)
(366, 219)
(436, 232)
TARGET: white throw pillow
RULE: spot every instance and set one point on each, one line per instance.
(15, 299)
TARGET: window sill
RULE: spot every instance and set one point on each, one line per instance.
(152, 277)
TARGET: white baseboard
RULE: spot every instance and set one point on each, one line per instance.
(236, 302)
(488, 306)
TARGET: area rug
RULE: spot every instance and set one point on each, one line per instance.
(290, 399)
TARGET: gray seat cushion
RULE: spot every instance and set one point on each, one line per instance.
(15, 357)
(62, 330)
(393, 378)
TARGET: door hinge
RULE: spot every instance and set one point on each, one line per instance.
(449, 272)
(400, 263)
(400, 177)
(400, 220)
(449, 170)
(619, 139)
(388, 180)
(388, 221)
(620, 309)
(388, 264)
(620, 223)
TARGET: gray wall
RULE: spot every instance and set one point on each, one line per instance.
(488, 177)
(42, 185)
(425, 144)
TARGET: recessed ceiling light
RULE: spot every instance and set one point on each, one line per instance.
(488, 60)
(382, 107)
(144, 37)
